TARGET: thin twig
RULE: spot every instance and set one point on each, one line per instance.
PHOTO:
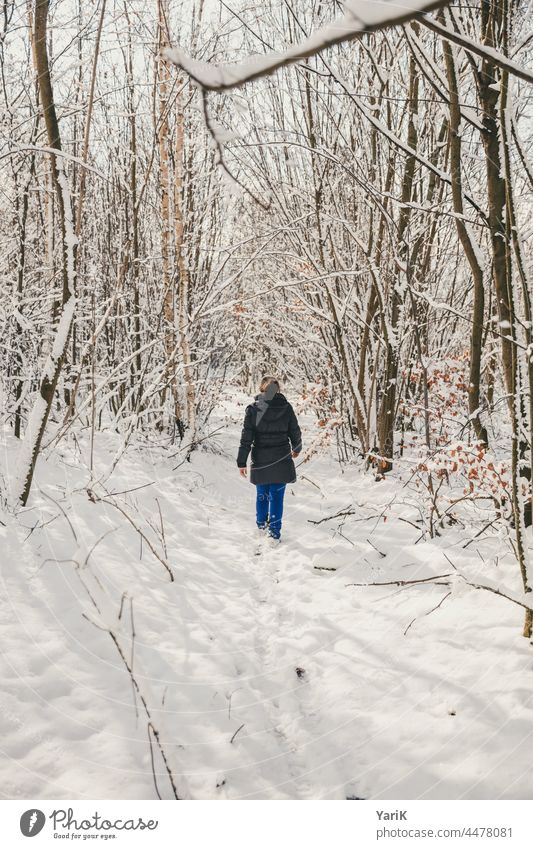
(133, 489)
(46, 495)
(381, 553)
(152, 761)
(345, 512)
(141, 533)
(163, 540)
(443, 599)
(133, 654)
(237, 731)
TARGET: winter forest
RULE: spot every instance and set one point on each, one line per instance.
(196, 194)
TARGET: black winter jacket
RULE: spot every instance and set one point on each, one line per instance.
(270, 430)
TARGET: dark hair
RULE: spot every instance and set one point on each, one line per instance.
(267, 381)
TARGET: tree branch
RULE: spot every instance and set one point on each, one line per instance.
(361, 17)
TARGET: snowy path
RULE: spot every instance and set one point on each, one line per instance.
(265, 676)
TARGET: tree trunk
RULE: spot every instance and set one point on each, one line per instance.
(387, 411)
(169, 315)
(469, 244)
(52, 369)
(184, 282)
(493, 93)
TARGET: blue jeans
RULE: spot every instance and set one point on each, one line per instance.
(269, 506)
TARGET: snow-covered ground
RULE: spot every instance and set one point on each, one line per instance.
(264, 676)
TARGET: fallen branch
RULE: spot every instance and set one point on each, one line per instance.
(439, 580)
(400, 583)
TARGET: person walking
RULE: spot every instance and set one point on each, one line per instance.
(272, 433)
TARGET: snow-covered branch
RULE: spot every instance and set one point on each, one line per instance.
(361, 17)
(482, 50)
